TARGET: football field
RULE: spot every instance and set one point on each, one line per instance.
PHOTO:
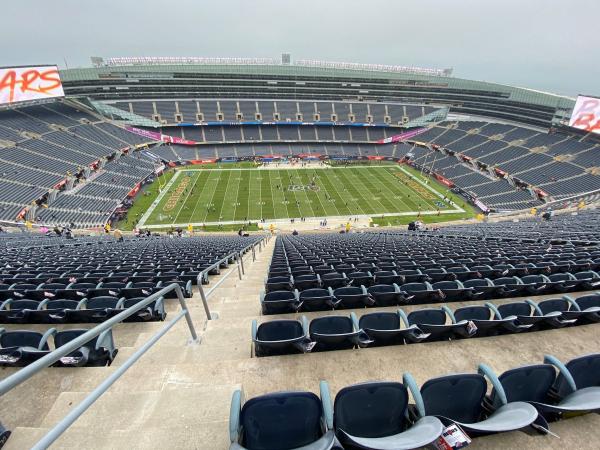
(211, 196)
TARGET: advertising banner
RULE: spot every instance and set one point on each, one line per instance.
(403, 136)
(21, 84)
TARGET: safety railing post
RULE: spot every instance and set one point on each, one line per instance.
(237, 261)
(204, 301)
(242, 263)
(188, 318)
(253, 254)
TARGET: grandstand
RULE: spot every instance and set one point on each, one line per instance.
(490, 324)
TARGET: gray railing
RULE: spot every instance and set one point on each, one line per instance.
(32, 369)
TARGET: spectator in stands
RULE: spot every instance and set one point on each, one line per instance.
(295, 232)
(118, 235)
(241, 232)
(57, 231)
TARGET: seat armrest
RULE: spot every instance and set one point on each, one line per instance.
(449, 312)
(488, 372)
(234, 415)
(46, 336)
(549, 359)
(327, 404)
(411, 384)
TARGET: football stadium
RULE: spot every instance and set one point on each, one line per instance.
(268, 253)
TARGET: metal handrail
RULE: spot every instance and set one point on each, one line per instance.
(239, 259)
(27, 372)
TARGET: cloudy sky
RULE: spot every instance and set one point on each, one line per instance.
(544, 44)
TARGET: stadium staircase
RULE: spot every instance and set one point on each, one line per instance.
(178, 395)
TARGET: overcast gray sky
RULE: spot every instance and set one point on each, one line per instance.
(544, 44)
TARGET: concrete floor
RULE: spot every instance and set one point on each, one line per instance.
(178, 395)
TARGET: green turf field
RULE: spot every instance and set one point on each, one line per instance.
(245, 194)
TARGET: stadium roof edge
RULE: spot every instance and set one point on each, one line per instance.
(527, 95)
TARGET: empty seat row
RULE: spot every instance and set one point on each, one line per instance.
(337, 332)
(92, 310)
(22, 347)
(378, 415)
(345, 296)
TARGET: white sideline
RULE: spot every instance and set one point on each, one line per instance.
(158, 199)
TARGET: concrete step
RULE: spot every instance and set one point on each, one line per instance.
(204, 436)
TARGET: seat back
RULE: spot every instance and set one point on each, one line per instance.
(585, 371)
(279, 330)
(62, 304)
(526, 384)
(514, 309)
(281, 420)
(371, 410)
(23, 304)
(474, 312)
(279, 295)
(380, 321)
(553, 304)
(458, 397)
(314, 293)
(331, 325)
(21, 338)
(102, 302)
(427, 316)
(588, 301)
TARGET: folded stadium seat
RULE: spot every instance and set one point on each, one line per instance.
(280, 337)
(344, 268)
(316, 299)
(350, 297)
(281, 421)
(566, 306)
(413, 276)
(437, 274)
(100, 351)
(484, 288)
(563, 282)
(375, 416)
(322, 269)
(365, 267)
(434, 322)
(75, 291)
(279, 284)
(462, 273)
(485, 271)
(20, 347)
(505, 270)
(386, 294)
(186, 288)
(307, 281)
(527, 314)
(110, 288)
(537, 284)
(511, 286)
(386, 265)
(51, 311)
(279, 302)
(334, 280)
(540, 386)
(95, 310)
(141, 289)
(459, 399)
(22, 290)
(385, 328)
(360, 278)
(421, 293)
(585, 308)
(153, 311)
(483, 318)
(548, 267)
(581, 265)
(528, 268)
(588, 280)
(337, 333)
(388, 277)
(143, 277)
(454, 290)
(17, 311)
(301, 270)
